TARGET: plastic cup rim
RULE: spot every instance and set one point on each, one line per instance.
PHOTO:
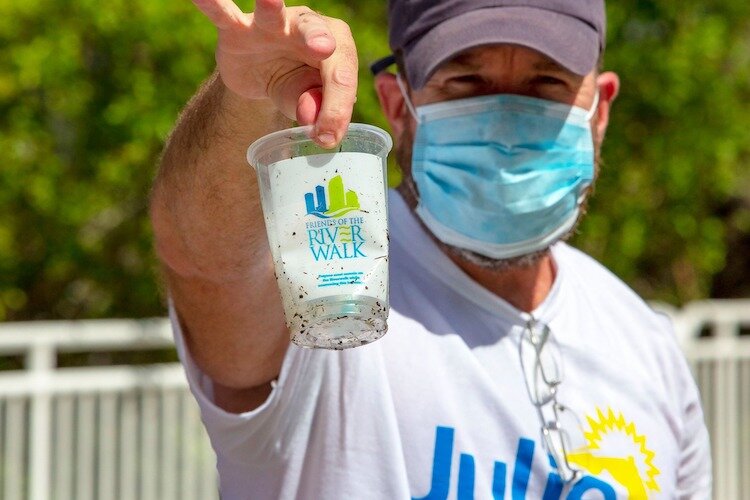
(254, 148)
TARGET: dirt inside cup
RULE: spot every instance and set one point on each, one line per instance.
(326, 218)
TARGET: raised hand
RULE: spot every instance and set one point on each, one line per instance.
(304, 62)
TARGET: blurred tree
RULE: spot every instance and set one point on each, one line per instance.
(89, 91)
(673, 202)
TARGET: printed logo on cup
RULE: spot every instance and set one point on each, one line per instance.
(336, 237)
(342, 201)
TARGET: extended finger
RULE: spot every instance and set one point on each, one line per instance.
(223, 13)
(339, 75)
(270, 14)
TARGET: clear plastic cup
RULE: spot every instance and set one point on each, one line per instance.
(326, 218)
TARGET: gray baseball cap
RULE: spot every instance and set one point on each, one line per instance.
(430, 32)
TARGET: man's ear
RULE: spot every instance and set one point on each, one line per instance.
(392, 102)
(609, 86)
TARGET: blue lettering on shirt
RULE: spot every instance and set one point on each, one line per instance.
(441, 474)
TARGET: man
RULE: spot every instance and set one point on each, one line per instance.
(515, 366)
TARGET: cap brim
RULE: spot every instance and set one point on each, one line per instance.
(571, 42)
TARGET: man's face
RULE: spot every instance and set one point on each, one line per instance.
(499, 69)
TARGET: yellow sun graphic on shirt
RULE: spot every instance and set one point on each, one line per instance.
(636, 471)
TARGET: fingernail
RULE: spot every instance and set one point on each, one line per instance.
(327, 139)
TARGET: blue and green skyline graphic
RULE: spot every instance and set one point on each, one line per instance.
(336, 203)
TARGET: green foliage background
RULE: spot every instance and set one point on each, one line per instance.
(89, 91)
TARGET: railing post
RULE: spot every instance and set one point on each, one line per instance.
(40, 361)
(727, 411)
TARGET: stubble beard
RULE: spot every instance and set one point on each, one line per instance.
(409, 192)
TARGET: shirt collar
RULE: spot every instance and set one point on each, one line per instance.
(408, 235)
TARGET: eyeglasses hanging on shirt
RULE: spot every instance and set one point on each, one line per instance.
(561, 430)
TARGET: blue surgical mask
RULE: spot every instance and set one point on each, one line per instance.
(501, 175)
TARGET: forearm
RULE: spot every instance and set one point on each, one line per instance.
(211, 238)
(205, 204)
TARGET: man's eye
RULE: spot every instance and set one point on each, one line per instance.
(548, 80)
(466, 80)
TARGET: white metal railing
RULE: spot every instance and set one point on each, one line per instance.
(134, 432)
(112, 432)
(715, 336)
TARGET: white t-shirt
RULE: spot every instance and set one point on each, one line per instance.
(438, 408)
